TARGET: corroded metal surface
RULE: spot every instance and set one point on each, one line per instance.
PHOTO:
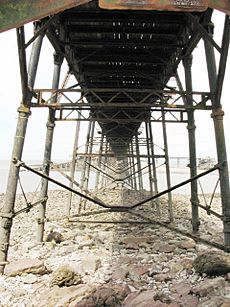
(169, 5)
(222, 5)
(16, 13)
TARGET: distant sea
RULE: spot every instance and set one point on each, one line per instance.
(31, 182)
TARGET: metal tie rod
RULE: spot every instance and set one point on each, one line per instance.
(117, 208)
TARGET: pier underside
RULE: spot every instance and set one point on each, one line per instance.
(125, 62)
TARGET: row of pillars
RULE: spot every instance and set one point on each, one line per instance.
(129, 165)
(24, 112)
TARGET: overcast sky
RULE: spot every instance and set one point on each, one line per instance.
(10, 96)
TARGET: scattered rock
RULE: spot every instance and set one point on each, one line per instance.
(156, 264)
(162, 297)
(140, 299)
(90, 264)
(54, 236)
(105, 296)
(120, 273)
(137, 240)
(64, 276)
(29, 279)
(25, 266)
(175, 267)
(155, 270)
(187, 244)
(63, 297)
(225, 304)
(166, 248)
(187, 263)
(212, 263)
(209, 286)
(162, 277)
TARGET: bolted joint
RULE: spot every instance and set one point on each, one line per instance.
(209, 27)
(187, 61)
(58, 58)
(24, 109)
(195, 225)
(40, 221)
(7, 219)
(37, 26)
(4, 247)
(50, 125)
(7, 224)
(217, 113)
(222, 165)
(191, 127)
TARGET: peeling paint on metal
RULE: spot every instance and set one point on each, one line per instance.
(170, 5)
(16, 13)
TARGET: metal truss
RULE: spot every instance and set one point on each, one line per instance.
(125, 98)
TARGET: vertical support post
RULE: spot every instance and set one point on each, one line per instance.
(58, 59)
(187, 62)
(99, 161)
(86, 181)
(170, 207)
(217, 115)
(133, 168)
(138, 163)
(104, 181)
(149, 159)
(153, 165)
(24, 112)
(86, 158)
(154, 171)
(130, 166)
(73, 163)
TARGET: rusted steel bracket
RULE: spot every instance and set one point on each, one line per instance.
(14, 14)
(168, 5)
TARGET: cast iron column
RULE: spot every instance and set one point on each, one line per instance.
(58, 59)
(167, 167)
(24, 112)
(86, 182)
(99, 162)
(187, 62)
(149, 160)
(73, 163)
(217, 115)
(154, 166)
(133, 165)
(139, 163)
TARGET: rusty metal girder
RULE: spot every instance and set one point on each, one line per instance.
(169, 5)
(15, 13)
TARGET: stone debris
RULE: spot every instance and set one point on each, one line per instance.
(130, 265)
(54, 236)
(209, 286)
(212, 263)
(90, 264)
(105, 296)
(62, 297)
(25, 266)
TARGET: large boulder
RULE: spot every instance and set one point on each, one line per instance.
(209, 286)
(212, 263)
(106, 296)
(25, 266)
(63, 297)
